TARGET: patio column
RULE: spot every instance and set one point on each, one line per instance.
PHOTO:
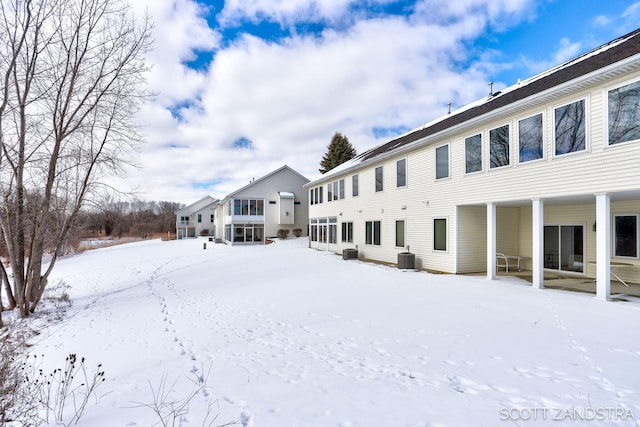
(603, 246)
(491, 241)
(538, 243)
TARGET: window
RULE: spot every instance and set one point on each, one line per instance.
(199, 218)
(184, 220)
(473, 153)
(440, 234)
(570, 135)
(530, 138)
(333, 230)
(311, 196)
(248, 233)
(316, 196)
(401, 173)
(335, 190)
(211, 220)
(625, 236)
(372, 232)
(442, 162)
(400, 233)
(248, 207)
(347, 232)
(354, 186)
(624, 113)
(499, 147)
(379, 178)
(314, 230)
(563, 247)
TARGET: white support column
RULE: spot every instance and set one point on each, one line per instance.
(538, 243)
(491, 241)
(603, 246)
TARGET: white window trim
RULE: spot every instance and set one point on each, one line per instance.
(613, 237)
(433, 237)
(395, 237)
(605, 105)
(373, 236)
(375, 179)
(544, 139)
(482, 153)
(435, 162)
(587, 117)
(406, 173)
(357, 179)
(488, 153)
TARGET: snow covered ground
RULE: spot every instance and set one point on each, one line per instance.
(291, 336)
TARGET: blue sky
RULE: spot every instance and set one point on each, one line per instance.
(245, 86)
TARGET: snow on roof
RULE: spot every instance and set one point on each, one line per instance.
(602, 56)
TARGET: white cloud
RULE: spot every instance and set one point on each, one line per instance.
(289, 97)
(602, 21)
(631, 16)
(565, 50)
(284, 12)
(180, 30)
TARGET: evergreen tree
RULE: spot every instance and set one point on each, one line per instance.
(339, 151)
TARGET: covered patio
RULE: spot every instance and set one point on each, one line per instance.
(586, 243)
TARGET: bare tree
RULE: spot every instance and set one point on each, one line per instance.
(72, 79)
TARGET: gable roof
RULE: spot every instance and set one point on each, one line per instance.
(617, 50)
(252, 183)
(200, 204)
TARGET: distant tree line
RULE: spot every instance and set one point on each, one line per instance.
(137, 218)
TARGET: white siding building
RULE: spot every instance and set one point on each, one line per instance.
(196, 219)
(264, 206)
(547, 170)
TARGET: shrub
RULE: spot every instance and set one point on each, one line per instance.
(283, 233)
(297, 232)
(29, 396)
(170, 411)
(204, 232)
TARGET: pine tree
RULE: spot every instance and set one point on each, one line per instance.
(339, 151)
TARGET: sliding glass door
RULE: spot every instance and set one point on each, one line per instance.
(564, 247)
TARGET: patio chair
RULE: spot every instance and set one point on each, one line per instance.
(502, 262)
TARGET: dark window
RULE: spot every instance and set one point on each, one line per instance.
(379, 178)
(625, 236)
(570, 128)
(499, 146)
(624, 113)
(530, 138)
(442, 162)
(347, 232)
(401, 173)
(354, 186)
(400, 233)
(372, 232)
(440, 234)
(473, 153)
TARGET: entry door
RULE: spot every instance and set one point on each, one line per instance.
(564, 247)
(322, 236)
(332, 236)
